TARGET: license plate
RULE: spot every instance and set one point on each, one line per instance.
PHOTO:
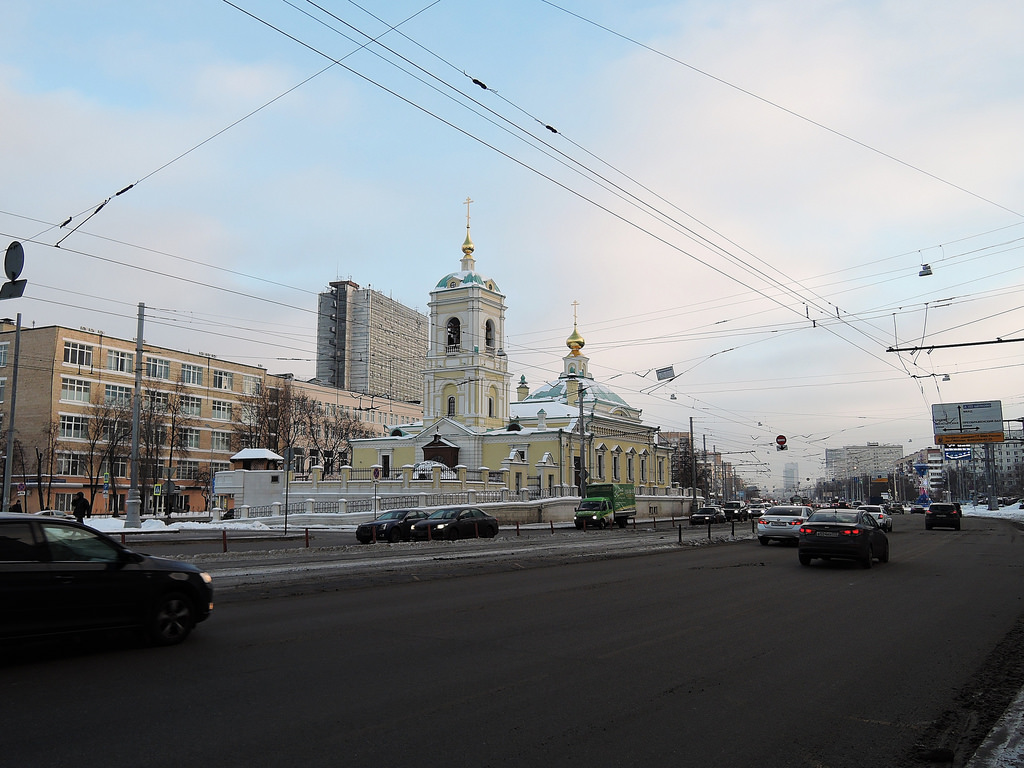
(826, 533)
(778, 523)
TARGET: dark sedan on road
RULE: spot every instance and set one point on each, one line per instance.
(942, 514)
(57, 577)
(706, 515)
(391, 526)
(456, 523)
(844, 534)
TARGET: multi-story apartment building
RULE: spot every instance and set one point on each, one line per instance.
(369, 343)
(74, 414)
(868, 460)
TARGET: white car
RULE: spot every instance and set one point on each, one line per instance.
(883, 518)
(782, 523)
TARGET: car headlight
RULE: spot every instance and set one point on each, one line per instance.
(206, 577)
(441, 525)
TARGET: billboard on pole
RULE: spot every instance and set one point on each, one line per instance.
(968, 423)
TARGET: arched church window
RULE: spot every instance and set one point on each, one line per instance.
(489, 334)
(451, 406)
(490, 407)
(454, 334)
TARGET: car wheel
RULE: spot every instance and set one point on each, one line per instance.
(453, 534)
(763, 540)
(885, 554)
(869, 560)
(805, 559)
(956, 527)
(394, 535)
(172, 619)
(493, 532)
(927, 526)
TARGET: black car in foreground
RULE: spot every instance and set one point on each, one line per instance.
(942, 514)
(57, 576)
(391, 526)
(847, 534)
(456, 523)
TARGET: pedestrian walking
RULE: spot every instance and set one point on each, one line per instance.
(81, 507)
(15, 507)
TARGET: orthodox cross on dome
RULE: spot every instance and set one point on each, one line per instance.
(575, 342)
(467, 246)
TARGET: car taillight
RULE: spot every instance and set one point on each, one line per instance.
(850, 532)
(794, 522)
(806, 530)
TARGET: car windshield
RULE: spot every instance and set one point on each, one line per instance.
(834, 516)
(444, 514)
(395, 514)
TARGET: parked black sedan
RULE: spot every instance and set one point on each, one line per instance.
(850, 534)
(456, 523)
(57, 576)
(391, 526)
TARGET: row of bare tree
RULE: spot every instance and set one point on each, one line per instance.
(98, 448)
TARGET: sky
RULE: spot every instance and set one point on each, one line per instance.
(743, 190)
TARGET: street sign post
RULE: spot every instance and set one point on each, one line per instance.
(968, 423)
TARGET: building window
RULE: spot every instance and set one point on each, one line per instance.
(643, 469)
(157, 402)
(157, 368)
(661, 471)
(600, 465)
(190, 437)
(220, 441)
(75, 390)
(489, 334)
(221, 410)
(3, 390)
(72, 426)
(120, 466)
(76, 353)
(615, 467)
(3, 353)
(115, 393)
(191, 405)
(451, 406)
(191, 374)
(251, 385)
(490, 407)
(454, 334)
(187, 470)
(120, 361)
(219, 466)
(629, 468)
(223, 380)
(70, 464)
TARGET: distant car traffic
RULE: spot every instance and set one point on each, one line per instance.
(850, 534)
(942, 514)
(782, 523)
(883, 518)
(392, 526)
(917, 509)
(706, 515)
(59, 577)
(455, 523)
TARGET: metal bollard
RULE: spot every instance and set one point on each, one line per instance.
(552, 527)
(517, 527)
(680, 529)
(307, 538)
(476, 529)
(224, 540)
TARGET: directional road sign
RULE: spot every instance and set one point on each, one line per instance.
(968, 423)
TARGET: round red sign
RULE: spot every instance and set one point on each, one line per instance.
(781, 439)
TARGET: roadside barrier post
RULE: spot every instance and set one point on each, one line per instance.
(517, 528)
(552, 527)
(224, 539)
(307, 538)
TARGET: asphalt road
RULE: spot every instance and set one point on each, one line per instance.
(479, 653)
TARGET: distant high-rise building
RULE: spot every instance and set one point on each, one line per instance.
(369, 343)
(791, 476)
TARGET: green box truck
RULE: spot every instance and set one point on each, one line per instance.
(606, 503)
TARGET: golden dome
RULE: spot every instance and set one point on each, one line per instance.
(575, 342)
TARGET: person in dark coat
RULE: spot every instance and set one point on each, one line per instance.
(15, 507)
(81, 507)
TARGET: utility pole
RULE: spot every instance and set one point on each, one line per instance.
(583, 445)
(8, 462)
(132, 516)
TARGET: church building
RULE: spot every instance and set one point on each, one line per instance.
(469, 420)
